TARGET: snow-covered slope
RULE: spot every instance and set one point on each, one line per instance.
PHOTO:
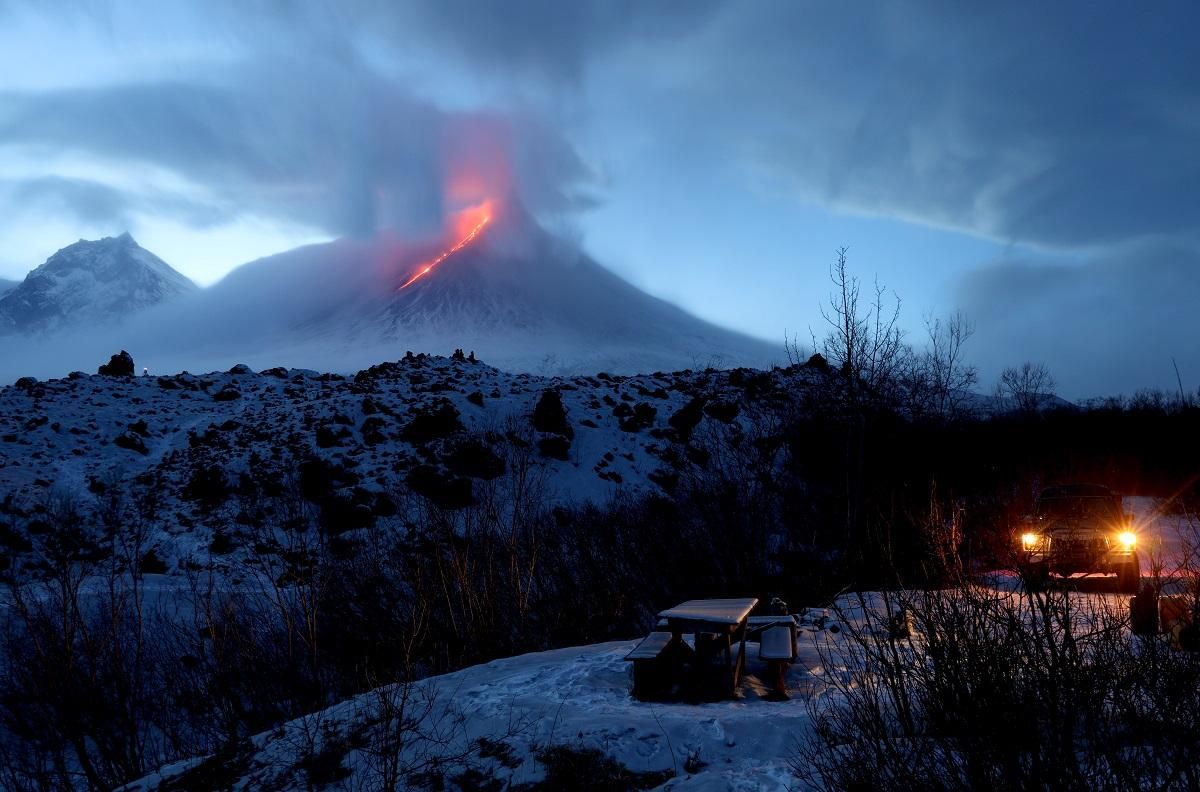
(90, 283)
(517, 707)
(77, 435)
(519, 297)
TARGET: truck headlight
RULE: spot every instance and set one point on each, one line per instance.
(1128, 539)
(1029, 540)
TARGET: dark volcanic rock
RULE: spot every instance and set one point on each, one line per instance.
(372, 430)
(724, 411)
(555, 448)
(818, 362)
(327, 437)
(132, 441)
(228, 393)
(639, 418)
(120, 365)
(550, 416)
(687, 417)
(438, 420)
(449, 492)
(476, 459)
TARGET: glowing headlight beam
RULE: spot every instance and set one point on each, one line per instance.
(1028, 540)
(427, 267)
(1127, 539)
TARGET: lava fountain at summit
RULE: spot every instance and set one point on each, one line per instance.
(467, 226)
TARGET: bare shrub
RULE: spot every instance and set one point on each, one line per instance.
(410, 732)
(79, 703)
(1000, 689)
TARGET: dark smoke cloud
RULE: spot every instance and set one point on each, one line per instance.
(330, 145)
(518, 39)
(556, 40)
(1103, 326)
(95, 202)
(308, 130)
(1074, 125)
(90, 201)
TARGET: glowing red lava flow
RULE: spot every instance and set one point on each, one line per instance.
(428, 266)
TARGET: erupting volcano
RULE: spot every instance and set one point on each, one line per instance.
(493, 281)
(468, 224)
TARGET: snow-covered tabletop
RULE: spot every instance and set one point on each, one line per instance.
(730, 612)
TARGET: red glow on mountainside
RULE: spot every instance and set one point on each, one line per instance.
(467, 225)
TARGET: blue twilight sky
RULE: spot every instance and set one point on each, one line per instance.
(1035, 165)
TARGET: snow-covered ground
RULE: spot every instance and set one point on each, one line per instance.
(580, 697)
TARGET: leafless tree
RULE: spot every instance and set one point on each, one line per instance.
(795, 351)
(942, 379)
(1025, 387)
(864, 341)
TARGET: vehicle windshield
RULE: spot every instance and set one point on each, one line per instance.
(1089, 509)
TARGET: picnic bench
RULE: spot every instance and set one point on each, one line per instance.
(652, 666)
(665, 666)
(776, 644)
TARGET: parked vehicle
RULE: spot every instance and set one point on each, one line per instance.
(1079, 528)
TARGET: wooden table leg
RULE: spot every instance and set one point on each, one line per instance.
(741, 661)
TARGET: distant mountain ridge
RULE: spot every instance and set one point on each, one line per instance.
(518, 296)
(92, 283)
(7, 285)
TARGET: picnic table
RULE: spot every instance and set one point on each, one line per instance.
(664, 663)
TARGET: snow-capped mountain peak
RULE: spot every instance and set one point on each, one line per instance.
(90, 282)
